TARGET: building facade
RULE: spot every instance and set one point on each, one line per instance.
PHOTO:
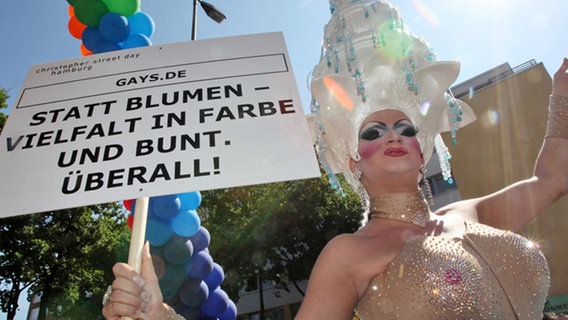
(500, 148)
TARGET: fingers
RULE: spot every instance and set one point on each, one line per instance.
(127, 299)
(129, 296)
(135, 295)
(147, 267)
(122, 270)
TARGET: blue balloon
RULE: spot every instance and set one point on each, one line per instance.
(230, 313)
(176, 251)
(215, 277)
(91, 37)
(216, 304)
(199, 265)
(106, 46)
(158, 231)
(142, 23)
(190, 200)
(164, 207)
(114, 27)
(200, 239)
(186, 223)
(193, 292)
(136, 40)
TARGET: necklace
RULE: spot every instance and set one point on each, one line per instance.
(410, 207)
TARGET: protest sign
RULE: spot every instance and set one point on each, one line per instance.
(156, 120)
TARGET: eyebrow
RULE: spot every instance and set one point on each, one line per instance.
(394, 125)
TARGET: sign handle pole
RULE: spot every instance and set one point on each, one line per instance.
(138, 235)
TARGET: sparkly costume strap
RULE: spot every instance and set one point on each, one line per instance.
(407, 207)
(171, 314)
(557, 125)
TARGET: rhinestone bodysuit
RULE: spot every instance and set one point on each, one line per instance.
(487, 274)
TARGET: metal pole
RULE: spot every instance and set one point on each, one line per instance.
(194, 21)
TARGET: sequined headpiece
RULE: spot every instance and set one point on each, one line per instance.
(371, 62)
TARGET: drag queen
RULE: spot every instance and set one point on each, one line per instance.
(381, 99)
(380, 106)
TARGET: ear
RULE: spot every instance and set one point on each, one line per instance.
(352, 164)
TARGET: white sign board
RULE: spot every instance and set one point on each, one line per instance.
(152, 121)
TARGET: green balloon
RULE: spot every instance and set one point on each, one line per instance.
(123, 7)
(72, 2)
(89, 12)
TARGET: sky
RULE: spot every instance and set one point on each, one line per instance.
(481, 34)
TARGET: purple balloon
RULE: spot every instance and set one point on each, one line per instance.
(215, 277)
(230, 313)
(200, 239)
(199, 265)
(216, 304)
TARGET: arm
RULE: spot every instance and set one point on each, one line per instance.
(331, 293)
(135, 295)
(517, 205)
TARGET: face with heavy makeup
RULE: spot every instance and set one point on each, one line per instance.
(388, 148)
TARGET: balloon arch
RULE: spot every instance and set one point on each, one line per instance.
(189, 278)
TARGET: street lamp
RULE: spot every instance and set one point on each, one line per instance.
(210, 10)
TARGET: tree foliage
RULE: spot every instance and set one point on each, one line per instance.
(279, 228)
(65, 256)
(3, 105)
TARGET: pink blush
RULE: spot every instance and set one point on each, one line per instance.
(414, 144)
(367, 149)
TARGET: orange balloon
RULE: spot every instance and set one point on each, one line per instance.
(76, 28)
(85, 51)
(71, 11)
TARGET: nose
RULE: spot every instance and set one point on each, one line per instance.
(393, 137)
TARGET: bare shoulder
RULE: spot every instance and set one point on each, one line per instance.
(341, 275)
(359, 249)
(340, 253)
(365, 254)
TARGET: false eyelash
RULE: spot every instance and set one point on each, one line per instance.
(410, 131)
(371, 133)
